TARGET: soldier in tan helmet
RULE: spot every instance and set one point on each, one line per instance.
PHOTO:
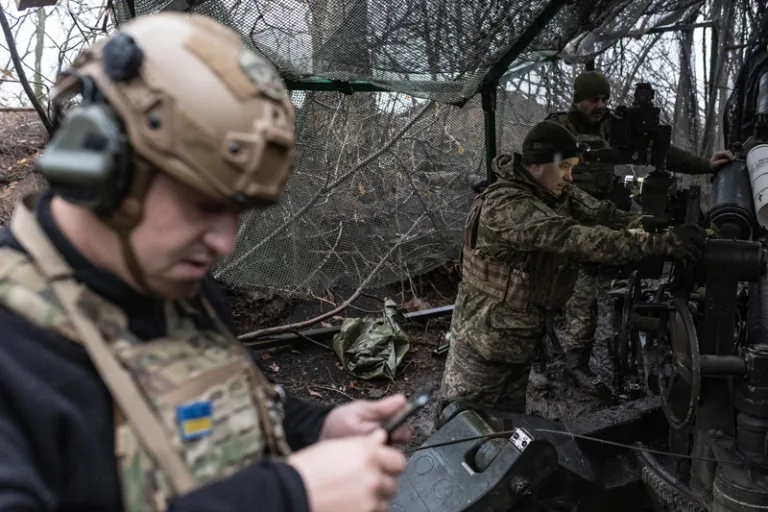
(122, 386)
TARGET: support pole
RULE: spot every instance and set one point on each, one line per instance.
(491, 80)
(713, 60)
(488, 95)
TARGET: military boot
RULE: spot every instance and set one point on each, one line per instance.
(577, 366)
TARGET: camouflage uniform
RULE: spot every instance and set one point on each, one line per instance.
(522, 249)
(183, 413)
(600, 181)
(196, 394)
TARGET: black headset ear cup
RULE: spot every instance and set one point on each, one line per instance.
(88, 161)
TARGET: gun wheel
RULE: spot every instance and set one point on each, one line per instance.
(680, 372)
(626, 337)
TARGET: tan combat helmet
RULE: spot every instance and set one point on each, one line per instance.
(173, 93)
(195, 103)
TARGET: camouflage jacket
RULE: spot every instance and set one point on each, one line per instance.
(62, 443)
(523, 245)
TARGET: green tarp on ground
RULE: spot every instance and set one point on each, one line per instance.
(372, 348)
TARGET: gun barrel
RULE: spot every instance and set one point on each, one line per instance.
(732, 209)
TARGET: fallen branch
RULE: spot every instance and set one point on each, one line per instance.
(306, 323)
(20, 72)
(329, 388)
(307, 338)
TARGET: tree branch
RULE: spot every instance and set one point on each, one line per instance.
(324, 190)
(636, 68)
(20, 72)
(306, 323)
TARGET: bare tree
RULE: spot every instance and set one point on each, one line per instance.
(39, 46)
(684, 122)
(723, 13)
(20, 71)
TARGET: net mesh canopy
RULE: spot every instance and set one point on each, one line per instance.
(382, 181)
(436, 49)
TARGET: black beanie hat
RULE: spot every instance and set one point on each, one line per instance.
(546, 140)
(590, 84)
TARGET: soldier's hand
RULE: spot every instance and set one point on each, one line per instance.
(361, 417)
(719, 159)
(353, 474)
(687, 242)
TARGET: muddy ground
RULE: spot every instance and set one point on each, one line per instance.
(22, 136)
(314, 372)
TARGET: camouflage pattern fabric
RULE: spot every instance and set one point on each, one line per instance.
(524, 227)
(190, 367)
(230, 407)
(490, 366)
(581, 312)
(23, 290)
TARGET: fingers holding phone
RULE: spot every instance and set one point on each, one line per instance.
(395, 427)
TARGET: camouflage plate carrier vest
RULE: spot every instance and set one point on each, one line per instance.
(533, 279)
(597, 180)
(190, 408)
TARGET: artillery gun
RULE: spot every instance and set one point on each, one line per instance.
(697, 336)
(690, 360)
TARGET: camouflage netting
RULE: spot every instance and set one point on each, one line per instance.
(382, 181)
(436, 49)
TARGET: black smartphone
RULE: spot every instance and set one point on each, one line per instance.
(414, 405)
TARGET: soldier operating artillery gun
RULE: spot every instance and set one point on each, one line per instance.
(692, 337)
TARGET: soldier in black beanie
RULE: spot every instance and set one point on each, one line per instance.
(594, 87)
(525, 237)
(546, 142)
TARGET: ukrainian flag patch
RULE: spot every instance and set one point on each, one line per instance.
(195, 420)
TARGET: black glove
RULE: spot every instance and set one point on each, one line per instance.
(687, 242)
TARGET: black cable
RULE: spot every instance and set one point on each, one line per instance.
(638, 447)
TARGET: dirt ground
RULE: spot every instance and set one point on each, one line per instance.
(314, 373)
(22, 136)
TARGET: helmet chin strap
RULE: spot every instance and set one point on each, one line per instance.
(125, 219)
(133, 263)
(134, 268)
